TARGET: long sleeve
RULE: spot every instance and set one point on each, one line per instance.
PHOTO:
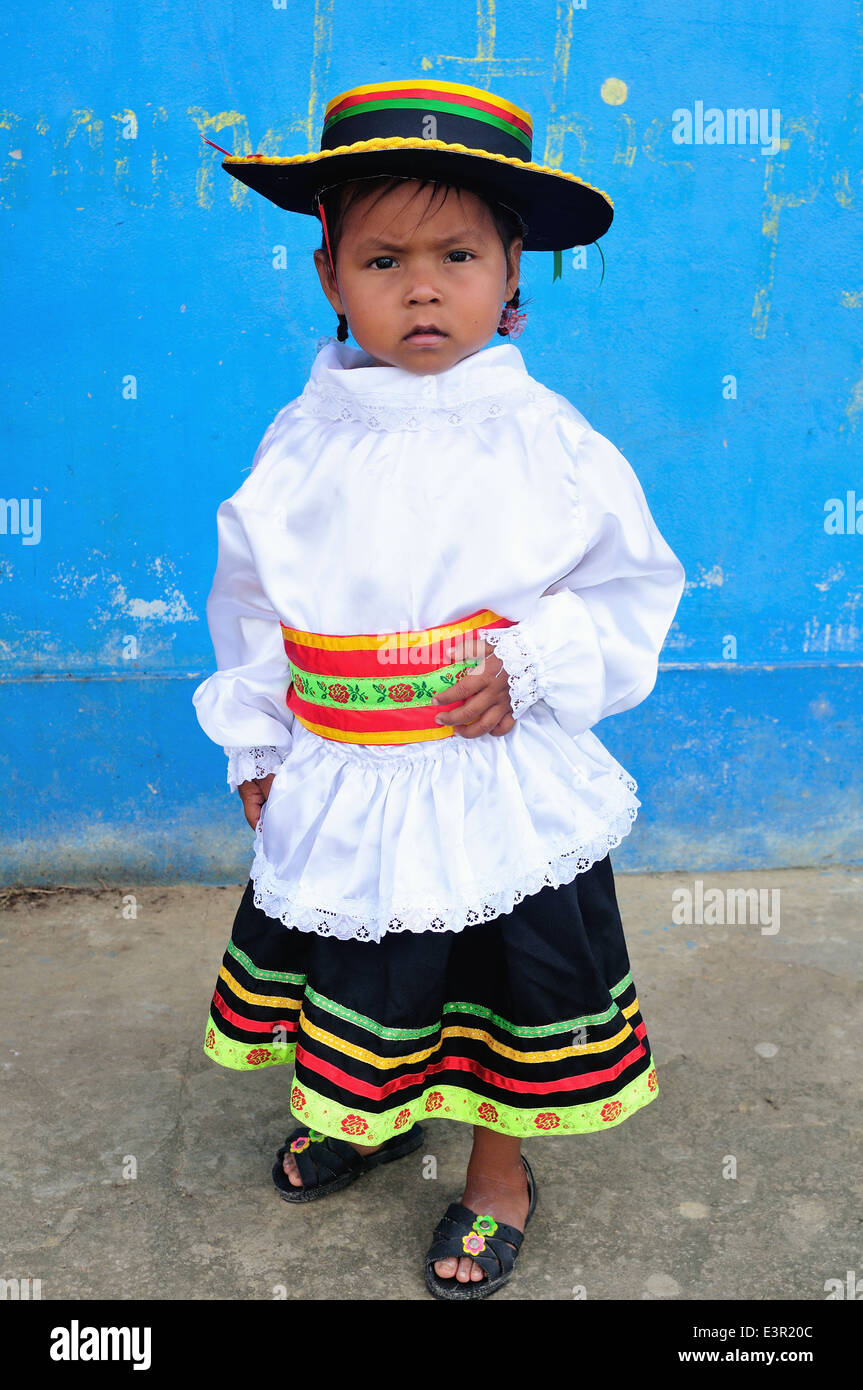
(590, 646)
(242, 705)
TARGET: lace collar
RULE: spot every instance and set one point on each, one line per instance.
(344, 384)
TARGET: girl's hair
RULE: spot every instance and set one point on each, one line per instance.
(337, 201)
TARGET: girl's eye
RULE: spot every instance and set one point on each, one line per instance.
(391, 259)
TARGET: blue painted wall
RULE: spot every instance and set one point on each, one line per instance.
(721, 353)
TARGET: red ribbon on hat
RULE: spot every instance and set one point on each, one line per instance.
(327, 239)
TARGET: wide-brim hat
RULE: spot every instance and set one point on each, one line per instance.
(435, 130)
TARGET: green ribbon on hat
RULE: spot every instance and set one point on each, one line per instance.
(558, 266)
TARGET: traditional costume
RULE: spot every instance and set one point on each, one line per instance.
(430, 926)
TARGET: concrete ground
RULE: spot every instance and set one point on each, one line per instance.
(741, 1181)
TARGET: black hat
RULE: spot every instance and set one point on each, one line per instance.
(435, 130)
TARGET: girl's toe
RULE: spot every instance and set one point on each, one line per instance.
(293, 1171)
(464, 1269)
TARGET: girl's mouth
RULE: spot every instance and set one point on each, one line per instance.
(425, 333)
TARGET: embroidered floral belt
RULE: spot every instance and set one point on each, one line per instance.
(378, 687)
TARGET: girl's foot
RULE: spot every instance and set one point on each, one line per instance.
(289, 1163)
(501, 1193)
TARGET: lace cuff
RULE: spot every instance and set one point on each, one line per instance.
(249, 764)
(520, 662)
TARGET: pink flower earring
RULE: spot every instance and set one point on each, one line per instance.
(511, 321)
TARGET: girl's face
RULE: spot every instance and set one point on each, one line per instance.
(449, 273)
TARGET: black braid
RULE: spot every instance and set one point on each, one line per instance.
(504, 332)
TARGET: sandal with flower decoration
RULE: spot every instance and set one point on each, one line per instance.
(489, 1242)
(334, 1163)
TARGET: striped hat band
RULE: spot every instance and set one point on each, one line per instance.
(430, 110)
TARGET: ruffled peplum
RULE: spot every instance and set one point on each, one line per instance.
(359, 840)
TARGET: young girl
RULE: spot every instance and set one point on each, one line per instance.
(435, 580)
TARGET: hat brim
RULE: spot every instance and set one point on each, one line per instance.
(560, 209)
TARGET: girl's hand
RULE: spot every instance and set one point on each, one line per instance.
(485, 691)
(254, 795)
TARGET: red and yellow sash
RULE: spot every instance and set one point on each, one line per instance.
(378, 687)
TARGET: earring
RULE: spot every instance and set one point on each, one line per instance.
(342, 332)
(511, 322)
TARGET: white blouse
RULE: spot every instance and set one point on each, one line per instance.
(383, 501)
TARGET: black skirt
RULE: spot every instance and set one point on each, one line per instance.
(526, 1024)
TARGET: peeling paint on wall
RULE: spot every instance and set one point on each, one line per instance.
(111, 599)
(839, 635)
(798, 156)
(707, 579)
(833, 576)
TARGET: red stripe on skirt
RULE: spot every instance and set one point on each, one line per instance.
(504, 1083)
(249, 1025)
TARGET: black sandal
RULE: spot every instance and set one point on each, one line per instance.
(335, 1163)
(489, 1242)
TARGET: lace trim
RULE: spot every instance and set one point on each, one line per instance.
(381, 413)
(247, 764)
(519, 659)
(565, 863)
